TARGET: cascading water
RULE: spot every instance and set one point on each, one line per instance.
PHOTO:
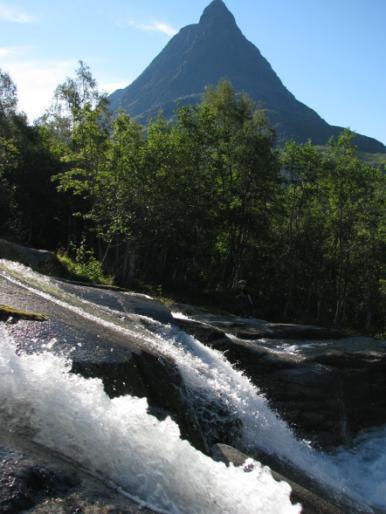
(208, 372)
(209, 377)
(119, 441)
(364, 465)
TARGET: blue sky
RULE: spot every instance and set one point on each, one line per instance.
(330, 53)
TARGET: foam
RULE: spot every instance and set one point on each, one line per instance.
(120, 442)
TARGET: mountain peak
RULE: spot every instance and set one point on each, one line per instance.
(217, 12)
(204, 53)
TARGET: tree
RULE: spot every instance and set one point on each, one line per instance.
(354, 215)
(29, 199)
(9, 155)
(333, 234)
(75, 130)
(8, 205)
(76, 92)
(68, 106)
(304, 228)
(8, 95)
(245, 168)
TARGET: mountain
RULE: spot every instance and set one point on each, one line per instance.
(215, 49)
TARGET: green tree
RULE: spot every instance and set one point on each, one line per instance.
(246, 171)
(355, 217)
(8, 96)
(304, 228)
(332, 235)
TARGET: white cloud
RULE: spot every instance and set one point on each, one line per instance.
(110, 87)
(7, 52)
(36, 79)
(156, 26)
(14, 14)
(161, 27)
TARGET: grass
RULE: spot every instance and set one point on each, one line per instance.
(85, 269)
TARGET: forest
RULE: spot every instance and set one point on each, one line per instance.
(190, 207)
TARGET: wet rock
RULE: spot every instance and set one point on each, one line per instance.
(289, 331)
(327, 390)
(39, 260)
(320, 501)
(253, 329)
(121, 301)
(204, 333)
(22, 483)
(47, 263)
(124, 362)
(318, 388)
(35, 480)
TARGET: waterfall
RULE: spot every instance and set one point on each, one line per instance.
(118, 441)
(65, 411)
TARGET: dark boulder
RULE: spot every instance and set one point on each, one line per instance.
(207, 334)
(251, 328)
(119, 300)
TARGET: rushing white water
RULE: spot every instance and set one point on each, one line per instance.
(119, 441)
(364, 465)
(209, 377)
(355, 472)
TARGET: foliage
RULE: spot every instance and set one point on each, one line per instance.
(335, 243)
(84, 266)
(196, 205)
(8, 95)
(30, 207)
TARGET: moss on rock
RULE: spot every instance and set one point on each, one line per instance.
(12, 315)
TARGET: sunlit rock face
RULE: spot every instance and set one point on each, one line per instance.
(214, 49)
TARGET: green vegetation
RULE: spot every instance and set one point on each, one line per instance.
(84, 266)
(194, 206)
(375, 159)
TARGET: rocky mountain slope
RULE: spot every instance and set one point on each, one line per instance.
(202, 54)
